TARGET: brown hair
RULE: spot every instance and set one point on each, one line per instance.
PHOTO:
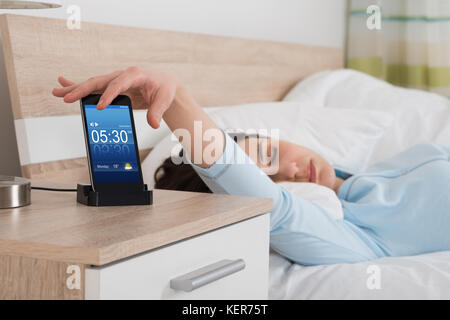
(182, 177)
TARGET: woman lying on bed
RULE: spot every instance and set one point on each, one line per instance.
(397, 207)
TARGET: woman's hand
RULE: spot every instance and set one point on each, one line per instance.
(154, 91)
(162, 95)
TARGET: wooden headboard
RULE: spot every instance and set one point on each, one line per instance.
(217, 70)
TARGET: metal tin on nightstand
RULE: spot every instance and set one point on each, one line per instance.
(14, 192)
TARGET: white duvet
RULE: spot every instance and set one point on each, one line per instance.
(418, 117)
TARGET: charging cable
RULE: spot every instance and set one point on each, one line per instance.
(53, 189)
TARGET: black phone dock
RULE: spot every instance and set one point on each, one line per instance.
(89, 197)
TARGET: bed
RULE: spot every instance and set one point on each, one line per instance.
(340, 116)
(350, 118)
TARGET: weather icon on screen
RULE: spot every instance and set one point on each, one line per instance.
(128, 166)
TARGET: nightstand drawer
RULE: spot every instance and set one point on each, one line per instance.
(228, 263)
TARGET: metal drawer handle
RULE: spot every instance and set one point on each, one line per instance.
(198, 278)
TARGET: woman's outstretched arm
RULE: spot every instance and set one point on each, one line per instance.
(163, 95)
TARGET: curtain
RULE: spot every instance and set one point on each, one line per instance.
(405, 42)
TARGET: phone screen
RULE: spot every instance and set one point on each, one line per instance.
(113, 153)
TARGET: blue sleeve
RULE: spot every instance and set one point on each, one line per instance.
(299, 230)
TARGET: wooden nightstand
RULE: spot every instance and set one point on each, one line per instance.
(59, 249)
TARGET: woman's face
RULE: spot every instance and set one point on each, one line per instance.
(295, 163)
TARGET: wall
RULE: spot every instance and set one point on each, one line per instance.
(315, 22)
(312, 22)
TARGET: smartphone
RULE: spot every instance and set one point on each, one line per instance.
(111, 145)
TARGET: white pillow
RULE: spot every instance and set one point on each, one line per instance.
(345, 137)
(418, 116)
(316, 87)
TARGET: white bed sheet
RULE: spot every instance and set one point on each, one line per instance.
(420, 117)
(418, 277)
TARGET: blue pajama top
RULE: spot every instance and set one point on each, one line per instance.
(397, 207)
